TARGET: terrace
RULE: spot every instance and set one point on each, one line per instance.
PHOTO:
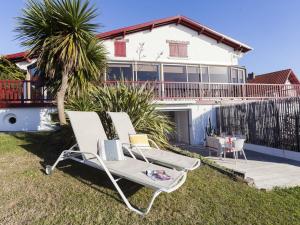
(14, 93)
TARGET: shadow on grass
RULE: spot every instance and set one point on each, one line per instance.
(48, 146)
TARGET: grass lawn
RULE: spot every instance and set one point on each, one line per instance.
(76, 194)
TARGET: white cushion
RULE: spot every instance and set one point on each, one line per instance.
(110, 150)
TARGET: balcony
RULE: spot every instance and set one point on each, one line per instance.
(20, 93)
(183, 91)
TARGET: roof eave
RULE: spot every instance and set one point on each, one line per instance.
(238, 46)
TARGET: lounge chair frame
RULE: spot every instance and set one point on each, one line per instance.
(73, 155)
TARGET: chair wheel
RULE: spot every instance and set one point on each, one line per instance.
(48, 170)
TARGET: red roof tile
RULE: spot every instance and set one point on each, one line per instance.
(201, 29)
(16, 56)
(277, 77)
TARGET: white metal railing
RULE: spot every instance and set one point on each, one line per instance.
(214, 91)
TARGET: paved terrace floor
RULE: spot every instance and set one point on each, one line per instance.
(266, 171)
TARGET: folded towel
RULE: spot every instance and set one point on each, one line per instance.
(158, 175)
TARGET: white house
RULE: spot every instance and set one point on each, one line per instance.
(193, 68)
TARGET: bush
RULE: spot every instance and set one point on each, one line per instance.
(9, 71)
(136, 101)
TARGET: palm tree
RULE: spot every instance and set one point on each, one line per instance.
(61, 35)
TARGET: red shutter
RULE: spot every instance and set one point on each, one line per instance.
(120, 48)
(178, 50)
(173, 49)
(182, 50)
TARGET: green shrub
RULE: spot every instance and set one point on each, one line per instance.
(9, 71)
(136, 101)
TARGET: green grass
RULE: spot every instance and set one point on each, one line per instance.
(76, 194)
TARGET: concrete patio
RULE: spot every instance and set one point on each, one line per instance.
(266, 171)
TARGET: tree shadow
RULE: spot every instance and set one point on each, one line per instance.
(47, 146)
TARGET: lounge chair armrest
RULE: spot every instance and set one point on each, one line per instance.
(84, 153)
(97, 157)
(153, 142)
(127, 147)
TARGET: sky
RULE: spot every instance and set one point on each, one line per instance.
(270, 27)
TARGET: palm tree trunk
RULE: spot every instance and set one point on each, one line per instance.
(61, 99)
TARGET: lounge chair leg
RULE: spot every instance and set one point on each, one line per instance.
(140, 212)
(243, 152)
(156, 193)
(114, 181)
(61, 157)
(146, 211)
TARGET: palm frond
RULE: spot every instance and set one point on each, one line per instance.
(61, 34)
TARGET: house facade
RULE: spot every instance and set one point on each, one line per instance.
(191, 67)
(172, 53)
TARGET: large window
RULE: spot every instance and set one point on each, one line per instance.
(241, 76)
(175, 73)
(194, 74)
(116, 71)
(204, 74)
(145, 72)
(219, 74)
(237, 75)
(234, 75)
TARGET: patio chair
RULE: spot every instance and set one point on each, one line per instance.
(89, 132)
(236, 147)
(124, 128)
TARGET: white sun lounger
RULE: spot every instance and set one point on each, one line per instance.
(124, 128)
(89, 131)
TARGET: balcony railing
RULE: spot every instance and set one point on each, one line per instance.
(28, 93)
(215, 91)
(23, 93)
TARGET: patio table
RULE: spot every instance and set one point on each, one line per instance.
(218, 144)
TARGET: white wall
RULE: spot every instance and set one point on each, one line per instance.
(199, 117)
(201, 49)
(27, 119)
(23, 65)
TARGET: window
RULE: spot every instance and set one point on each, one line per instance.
(175, 73)
(194, 74)
(120, 48)
(237, 75)
(219, 74)
(204, 74)
(178, 49)
(145, 72)
(241, 76)
(116, 71)
(234, 75)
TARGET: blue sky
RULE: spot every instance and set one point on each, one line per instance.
(271, 27)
